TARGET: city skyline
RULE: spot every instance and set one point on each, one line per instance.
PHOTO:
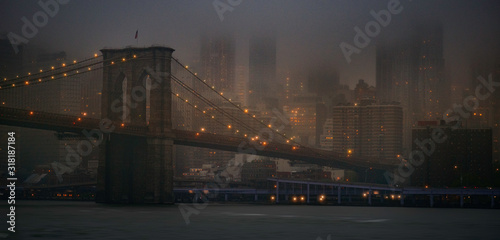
(191, 119)
(410, 71)
(469, 31)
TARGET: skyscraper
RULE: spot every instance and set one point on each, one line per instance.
(218, 62)
(431, 83)
(326, 138)
(410, 71)
(302, 117)
(464, 159)
(262, 72)
(323, 80)
(75, 96)
(241, 85)
(368, 130)
(11, 63)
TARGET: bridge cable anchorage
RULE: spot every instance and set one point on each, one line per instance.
(239, 108)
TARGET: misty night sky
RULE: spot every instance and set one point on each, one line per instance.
(308, 32)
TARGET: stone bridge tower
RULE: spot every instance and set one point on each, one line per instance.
(137, 93)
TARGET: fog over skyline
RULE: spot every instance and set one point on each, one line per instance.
(308, 32)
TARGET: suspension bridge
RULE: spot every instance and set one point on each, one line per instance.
(149, 101)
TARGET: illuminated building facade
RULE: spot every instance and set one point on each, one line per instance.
(368, 130)
(241, 85)
(302, 116)
(326, 138)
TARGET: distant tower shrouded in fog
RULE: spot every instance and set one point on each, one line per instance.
(262, 71)
(218, 61)
(323, 80)
(431, 82)
(411, 71)
(11, 63)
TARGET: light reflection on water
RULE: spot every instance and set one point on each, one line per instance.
(87, 220)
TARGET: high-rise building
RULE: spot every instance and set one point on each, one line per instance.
(302, 116)
(432, 85)
(241, 85)
(11, 63)
(326, 138)
(56, 96)
(262, 72)
(293, 87)
(218, 62)
(321, 117)
(364, 91)
(463, 159)
(77, 96)
(368, 130)
(411, 71)
(323, 81)
(486, 114)
(343, 95)
(496, 117)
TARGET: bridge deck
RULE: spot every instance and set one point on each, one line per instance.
(74, 124)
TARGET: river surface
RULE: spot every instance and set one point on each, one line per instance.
(88, 220)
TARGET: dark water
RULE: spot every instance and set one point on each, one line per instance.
(87, 220)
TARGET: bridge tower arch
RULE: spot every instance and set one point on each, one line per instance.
(137, 169)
